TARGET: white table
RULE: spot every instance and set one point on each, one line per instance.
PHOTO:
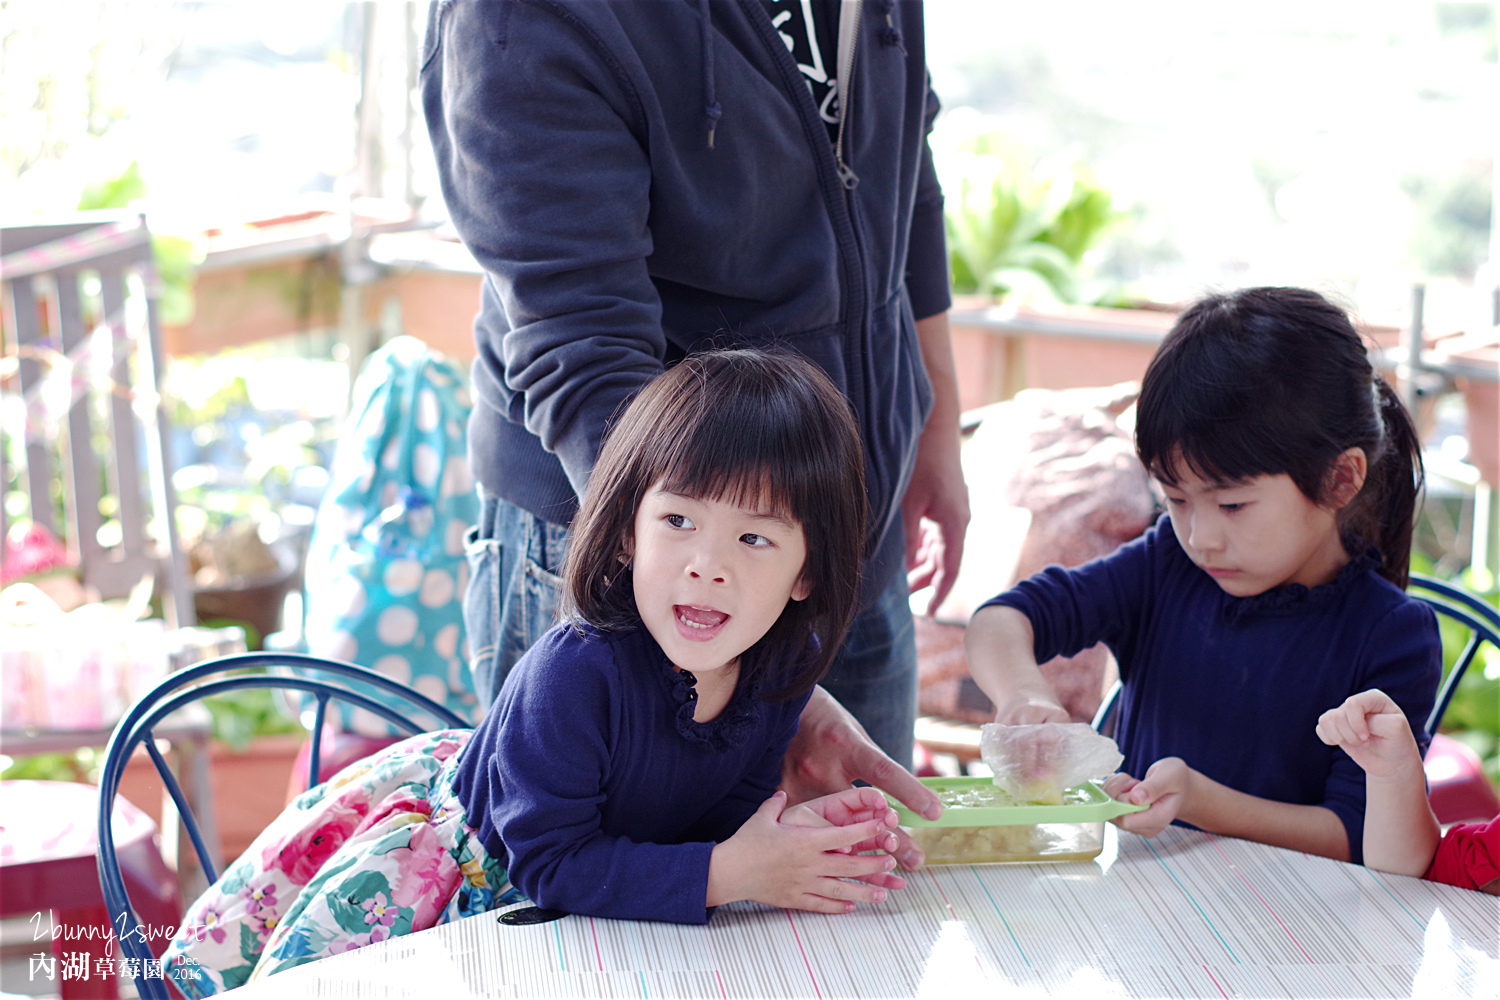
(1183, 915)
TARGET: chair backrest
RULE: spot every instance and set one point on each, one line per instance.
(325, 680)
(1457, 605)
(80, 297)
(1104, 719)
(1454, 603)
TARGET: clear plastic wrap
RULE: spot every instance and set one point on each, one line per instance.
(1038, 763)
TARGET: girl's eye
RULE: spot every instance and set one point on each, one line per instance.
(678, 521)
(1230, 508)
(758, 541)
(1176, 501)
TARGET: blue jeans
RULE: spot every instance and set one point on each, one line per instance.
(515, 564)
(515, 567)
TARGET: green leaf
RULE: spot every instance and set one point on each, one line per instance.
(237, 976)
(114, 192)
(234, 881)
(346, 905)
(250, 943)
(1004, 205)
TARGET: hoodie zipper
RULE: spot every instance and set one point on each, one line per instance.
(850, 12)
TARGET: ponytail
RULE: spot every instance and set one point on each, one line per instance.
(1384, 512)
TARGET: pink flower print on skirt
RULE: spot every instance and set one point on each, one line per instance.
(379, 850)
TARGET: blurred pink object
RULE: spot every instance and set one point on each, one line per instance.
(1456, 783)
(31, 548)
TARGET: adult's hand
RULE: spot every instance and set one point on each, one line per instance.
(831, 751)
(935, 509)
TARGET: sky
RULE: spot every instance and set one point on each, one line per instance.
(1269, 142)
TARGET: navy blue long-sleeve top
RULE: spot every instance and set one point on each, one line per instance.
(1234, 685)
(592, 778)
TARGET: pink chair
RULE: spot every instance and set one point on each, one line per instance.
(1456, 783)
(48, 842)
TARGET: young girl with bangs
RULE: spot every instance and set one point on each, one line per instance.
(629, 767)
(1271, 592)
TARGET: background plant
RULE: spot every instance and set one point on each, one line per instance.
(1020, 225)
(176, 257)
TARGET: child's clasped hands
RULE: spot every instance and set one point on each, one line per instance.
(819, 845)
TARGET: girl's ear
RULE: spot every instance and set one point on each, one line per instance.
(801, 589)
(1346, 477)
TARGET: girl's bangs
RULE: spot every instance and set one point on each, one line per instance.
(749, 487)
(1216, 449)
(747, 455)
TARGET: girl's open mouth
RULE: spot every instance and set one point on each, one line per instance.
(698, 624)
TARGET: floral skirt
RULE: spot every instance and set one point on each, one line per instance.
(380, 849)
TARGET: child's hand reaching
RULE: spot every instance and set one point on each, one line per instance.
(802, 861)
(1162, 789)
(1372, 729)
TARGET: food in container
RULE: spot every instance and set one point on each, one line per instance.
(982, 823)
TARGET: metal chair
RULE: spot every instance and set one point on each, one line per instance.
(1457, 787)
(80, 297)
(326, 680)
(1456, 784)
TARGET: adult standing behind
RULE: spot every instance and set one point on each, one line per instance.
(640, 180)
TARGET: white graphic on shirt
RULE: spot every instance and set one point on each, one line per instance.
(824, 88)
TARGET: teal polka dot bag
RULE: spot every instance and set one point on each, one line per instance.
(385, 566)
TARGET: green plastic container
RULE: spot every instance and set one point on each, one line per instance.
(987, 834)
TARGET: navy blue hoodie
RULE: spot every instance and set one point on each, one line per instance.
(643, 178)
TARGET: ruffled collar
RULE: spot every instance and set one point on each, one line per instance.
(1295, 598)
(729, 730)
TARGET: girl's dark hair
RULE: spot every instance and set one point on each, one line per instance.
(748, 427)
(1266, 381)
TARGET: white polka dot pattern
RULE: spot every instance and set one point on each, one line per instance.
(397, 625)
(386, 569)
(403, 577)
(437, 589)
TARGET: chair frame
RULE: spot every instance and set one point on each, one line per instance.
(1482, 621)
(248, 670)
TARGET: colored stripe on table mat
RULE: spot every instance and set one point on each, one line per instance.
(1219, 849)
(808, 965)
(714, 961)
(1191, 899)
(1001, 914)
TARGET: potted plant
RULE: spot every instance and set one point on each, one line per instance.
(1020, 232)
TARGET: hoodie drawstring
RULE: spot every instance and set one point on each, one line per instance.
(891, 35)
(711, 107)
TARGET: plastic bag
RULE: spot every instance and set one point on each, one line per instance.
(1038, 763)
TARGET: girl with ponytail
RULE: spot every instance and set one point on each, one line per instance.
(1271, 592)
